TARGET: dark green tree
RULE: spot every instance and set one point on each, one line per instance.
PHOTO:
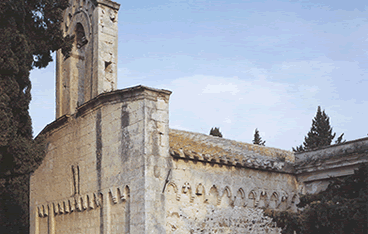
(257, 140)
(340, 139)
(30, 31)
(215, 132)
(340, 209)
(320, 133)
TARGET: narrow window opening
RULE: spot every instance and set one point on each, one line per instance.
(80, 36)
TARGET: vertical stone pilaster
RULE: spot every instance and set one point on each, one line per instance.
(34, 221)
(107, 46)
(157, 161)
(51, 219)
(106, 213)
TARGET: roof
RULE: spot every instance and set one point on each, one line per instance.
(205, 148)
(333, 156)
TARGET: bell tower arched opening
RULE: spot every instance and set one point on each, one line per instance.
(91, 67)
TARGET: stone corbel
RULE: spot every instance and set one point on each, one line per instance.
(40, 211)
(46, 211)
(72, 205)
(218, 200)
(90, 201)
(97, 199)
(56, 208)
(67, 207)
(114, 198)
(84, 202)
(284, 197)
(124, 193)
(78, 204)
(61, 207)
(200, 190)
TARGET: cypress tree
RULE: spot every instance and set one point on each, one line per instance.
(257, 140)
(320, 133)
(215, 132)
(30, 31)
(340, 140)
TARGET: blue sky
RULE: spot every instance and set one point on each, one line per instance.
(241, 65)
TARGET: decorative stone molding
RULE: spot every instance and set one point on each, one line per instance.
(257, 197)
(84, 202)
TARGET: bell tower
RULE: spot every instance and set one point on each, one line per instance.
(91, 67)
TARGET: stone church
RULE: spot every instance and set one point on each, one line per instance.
(113, 165)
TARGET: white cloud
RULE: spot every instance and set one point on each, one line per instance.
(257, 103)
(221, 88)
(280, 105)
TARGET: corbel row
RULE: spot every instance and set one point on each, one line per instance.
(81, 203)
(77, 203)
(253, 198)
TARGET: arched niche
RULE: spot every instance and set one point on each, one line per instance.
(252, 197)
(239, 199)
(80, 36)
(274, 200)
(213, 196)
(81, 17)
(263, 199)
(226, 199)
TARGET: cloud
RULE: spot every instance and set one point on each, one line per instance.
(221, 88)
(198, 103)
(281, 101)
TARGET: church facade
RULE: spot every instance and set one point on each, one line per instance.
(113, 165)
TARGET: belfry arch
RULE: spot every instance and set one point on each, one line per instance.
(91, 67)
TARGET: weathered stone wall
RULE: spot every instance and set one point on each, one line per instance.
(91, 66)
(314, 169)
(216, 196)
(113, 166)
(210, 198)
(105, 166)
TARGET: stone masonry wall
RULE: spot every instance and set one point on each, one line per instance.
(91, 67)
(210, 198)
(218, 185)
(314, 169)
(93, 178)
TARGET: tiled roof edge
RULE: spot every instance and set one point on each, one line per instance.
(261, 164)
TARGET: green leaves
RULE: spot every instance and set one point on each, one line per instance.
(215, 132)
(30, 32)
(257, 140)
(341, 208)
(319, 135)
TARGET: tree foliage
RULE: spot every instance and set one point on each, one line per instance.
(215, 132)
(340, 209)
(257, 139)
(340, 139)
(30, 31)
(320, 133)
